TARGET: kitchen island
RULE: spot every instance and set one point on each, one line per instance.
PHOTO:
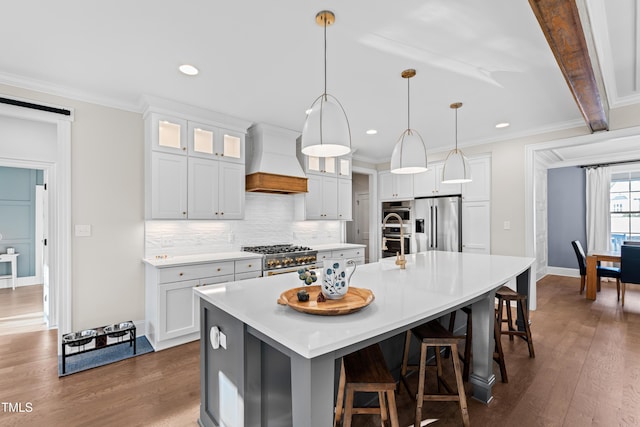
(243, 381)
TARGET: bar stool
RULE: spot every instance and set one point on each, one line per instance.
(433, 334)
(505, 295)
(467, 357)
(366, 371)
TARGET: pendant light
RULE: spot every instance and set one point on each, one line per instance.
(326, 131)
(410, 154)
(456, 168)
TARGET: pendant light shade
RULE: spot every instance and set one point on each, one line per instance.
(409, 154)
(326, 131)
(456, 168)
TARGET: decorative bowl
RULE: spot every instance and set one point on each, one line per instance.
(76, 339)
(118, 329)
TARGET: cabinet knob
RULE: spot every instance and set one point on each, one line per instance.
(249, 265)
(221, 154)
(181, 274)
(184, 148)
(219, 269)
(216, 213)
(221, 213)
(184, 213)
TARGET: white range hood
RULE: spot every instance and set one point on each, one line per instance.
(272, 164)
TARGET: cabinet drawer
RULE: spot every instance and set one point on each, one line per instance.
(245, 265)
(323, 255)
(249, 275)
(348, 253)
(215, 279)
(198, 271)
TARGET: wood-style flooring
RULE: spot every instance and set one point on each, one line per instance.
(21, 310)
(586, 373)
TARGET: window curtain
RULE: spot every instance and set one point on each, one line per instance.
(598, 216)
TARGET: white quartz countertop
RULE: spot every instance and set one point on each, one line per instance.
(337, 246)
(432, 283)
(199, 258)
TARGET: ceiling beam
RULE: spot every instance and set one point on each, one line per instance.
(560, 23)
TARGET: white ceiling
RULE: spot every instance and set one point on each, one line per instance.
(262, 61)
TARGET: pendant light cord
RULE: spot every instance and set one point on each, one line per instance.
(408, 105)
(325, 59)
(456, 130)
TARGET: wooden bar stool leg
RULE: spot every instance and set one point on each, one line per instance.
(348, 407)
(383, 407)
(393, 410)
(507, 305)
(405, 363)
(527, 327)
(499, 354)
(421, 379)
(440, 373)
(340, 397)
(461, 394)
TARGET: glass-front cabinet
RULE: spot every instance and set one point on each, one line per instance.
(213, 142)
(169, 134)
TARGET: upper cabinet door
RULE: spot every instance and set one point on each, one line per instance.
(424, 183)
(344, 167)
(168, 134)
(231, 187)
(320, 165)
(215, 143)
(479, 189)
(231, 146)
(168, 186)
(445, 189)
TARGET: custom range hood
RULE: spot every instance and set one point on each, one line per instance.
(272, 165)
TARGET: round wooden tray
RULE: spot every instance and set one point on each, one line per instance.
(354, 300)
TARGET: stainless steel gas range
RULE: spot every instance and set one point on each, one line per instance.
(287, 258)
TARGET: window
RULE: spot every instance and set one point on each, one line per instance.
(624, 206)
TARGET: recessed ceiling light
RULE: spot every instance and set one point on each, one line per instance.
(187, 69)
(372, 132)
(502, 125)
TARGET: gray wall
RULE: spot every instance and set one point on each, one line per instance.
(566, 210)
(17, 217)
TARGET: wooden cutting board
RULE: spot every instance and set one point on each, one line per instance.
(354, 300)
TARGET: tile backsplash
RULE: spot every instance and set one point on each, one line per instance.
(269, 219)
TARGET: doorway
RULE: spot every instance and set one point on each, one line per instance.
(23, 217)
(36, 139)
(359, 231)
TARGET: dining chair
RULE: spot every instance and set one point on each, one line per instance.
(629, 266)
(631, 242)
(602, 271)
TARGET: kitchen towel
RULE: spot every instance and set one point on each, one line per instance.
(103, 356)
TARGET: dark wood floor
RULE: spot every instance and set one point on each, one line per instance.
(586, 373)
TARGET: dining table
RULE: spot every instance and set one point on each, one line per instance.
(593, 258)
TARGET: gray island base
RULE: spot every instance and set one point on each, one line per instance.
(263, 364)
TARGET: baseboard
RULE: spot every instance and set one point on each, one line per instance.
(562, 271)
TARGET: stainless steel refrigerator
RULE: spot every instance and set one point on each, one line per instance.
(438, 223)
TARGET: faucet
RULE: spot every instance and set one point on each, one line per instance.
(400, 260)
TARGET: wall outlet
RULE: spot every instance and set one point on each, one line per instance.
(507, 225)
(167, 241)
(83, 231)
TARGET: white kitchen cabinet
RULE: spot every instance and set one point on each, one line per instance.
(248, 268)
(476, 227)
(356, 254)
(171, 309)
(395, 186)
(215, 189)
(344, 167)
(429, 183)
(345, 202)
(168, 186)
(479, 189)
(321, 200)
(213, 142)
(168, 134)
(194, 170)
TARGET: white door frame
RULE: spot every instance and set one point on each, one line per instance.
(374, 211)
(59, 187)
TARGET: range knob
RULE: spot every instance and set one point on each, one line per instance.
(312, 258)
